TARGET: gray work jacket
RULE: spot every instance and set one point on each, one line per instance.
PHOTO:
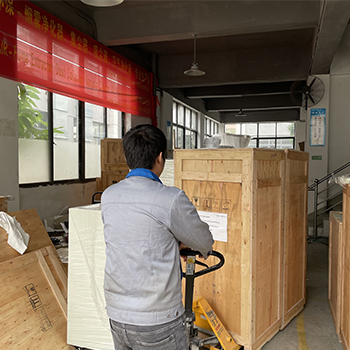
(144, 221)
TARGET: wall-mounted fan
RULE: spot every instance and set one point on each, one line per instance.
(307, 92)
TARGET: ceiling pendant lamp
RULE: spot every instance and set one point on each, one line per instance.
(102, 3)
(194, 71)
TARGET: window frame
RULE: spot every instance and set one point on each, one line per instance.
(275, 137)
(176, 125)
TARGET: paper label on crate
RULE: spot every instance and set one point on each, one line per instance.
(217, 224)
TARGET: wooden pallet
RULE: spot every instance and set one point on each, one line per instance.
(33, 305)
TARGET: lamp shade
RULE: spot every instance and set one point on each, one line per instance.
(194, 71)
(102, 3)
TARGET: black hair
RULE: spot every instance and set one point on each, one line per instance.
(142, 145)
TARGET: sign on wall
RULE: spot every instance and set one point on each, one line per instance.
(318, 127)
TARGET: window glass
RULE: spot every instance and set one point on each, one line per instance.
(267, 129)
(94, 132)
(233, 129)
(252, 143)
(66, 145)
(180, 138)
(285, 144)
(208, 127)
(285, 129)
(33, 143)
(250, 129)
(194, 120)
(187, 139)
(267, 143)
(188, 118)
(193, 140)
(114, 124)
(180, 115)
(174, 113)
(175, 137)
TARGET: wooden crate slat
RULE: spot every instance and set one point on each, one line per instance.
(295, 234)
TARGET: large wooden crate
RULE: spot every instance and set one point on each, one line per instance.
(345, 298)
(113, 163)
(295, 234)
(335, 266)
(248, 186)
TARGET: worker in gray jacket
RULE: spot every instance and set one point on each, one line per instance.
(144, 224)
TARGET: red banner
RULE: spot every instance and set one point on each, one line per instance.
(39, 49)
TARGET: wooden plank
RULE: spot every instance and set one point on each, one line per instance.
(269, 183)
(345, 296)
(31, 317)
(32, 224)
(212, 177)
(295, 234)
(335, 266)
(56, 291)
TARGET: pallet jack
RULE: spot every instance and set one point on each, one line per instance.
(199, 314)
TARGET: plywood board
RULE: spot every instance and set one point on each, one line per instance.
(335, 257)
(32, 224)
(33, 308)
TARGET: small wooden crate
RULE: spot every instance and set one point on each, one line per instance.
(345, 295)
(33, 308)
(295, 234)
(335, 266)
(113, 163)
(248, 186)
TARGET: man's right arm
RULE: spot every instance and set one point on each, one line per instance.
(187, 227)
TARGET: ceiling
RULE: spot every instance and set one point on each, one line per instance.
(251, 50)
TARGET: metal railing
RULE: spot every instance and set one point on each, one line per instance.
(315, 188)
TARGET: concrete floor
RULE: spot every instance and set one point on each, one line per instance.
(313, 329)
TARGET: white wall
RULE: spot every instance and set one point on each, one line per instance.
(339, 140)
(318, 168)
(8, 142)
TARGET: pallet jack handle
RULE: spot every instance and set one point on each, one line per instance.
(190, 252)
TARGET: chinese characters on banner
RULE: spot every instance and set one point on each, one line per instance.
(317, 126)
(39, 49)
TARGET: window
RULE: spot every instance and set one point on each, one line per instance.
(65, 136)
(266, 135)
(50, 143)
(185, 126)
(211, 127)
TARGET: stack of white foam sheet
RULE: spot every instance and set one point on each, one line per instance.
(88, 324)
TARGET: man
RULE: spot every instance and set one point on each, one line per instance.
(144, 224)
